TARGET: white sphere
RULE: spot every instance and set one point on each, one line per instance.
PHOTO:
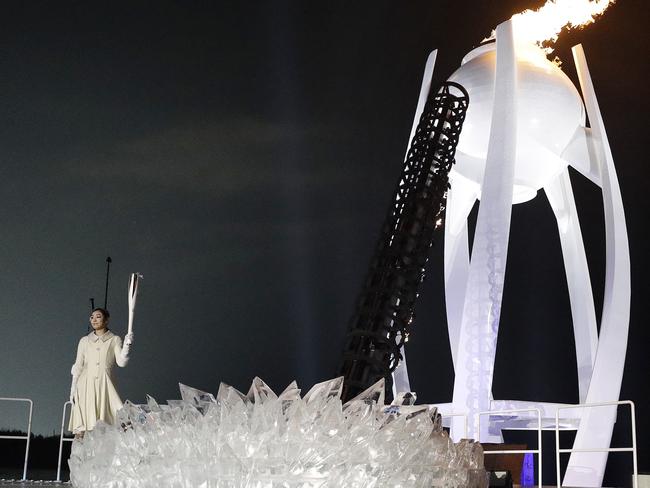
(549, 110)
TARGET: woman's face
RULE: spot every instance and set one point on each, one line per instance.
(97, 320)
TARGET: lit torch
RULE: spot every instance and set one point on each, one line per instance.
(543, 26)
(525, 125)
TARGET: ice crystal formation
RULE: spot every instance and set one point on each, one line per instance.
(266, 440)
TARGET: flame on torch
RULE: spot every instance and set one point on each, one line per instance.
(542, 26)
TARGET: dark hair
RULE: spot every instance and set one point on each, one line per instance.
(103, 311)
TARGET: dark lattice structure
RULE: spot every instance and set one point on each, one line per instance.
(385, 309)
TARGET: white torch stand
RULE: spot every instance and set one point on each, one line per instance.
(474, 287)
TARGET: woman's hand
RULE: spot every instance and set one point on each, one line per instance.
(73, 389)
(75, 372)
(122, 354)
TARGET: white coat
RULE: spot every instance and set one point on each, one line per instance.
(95, 396)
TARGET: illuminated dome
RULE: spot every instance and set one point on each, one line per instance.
(549, 111)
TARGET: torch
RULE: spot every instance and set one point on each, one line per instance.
(133, 295)
(525, 126)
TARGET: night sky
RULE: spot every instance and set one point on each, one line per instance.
(242, 156)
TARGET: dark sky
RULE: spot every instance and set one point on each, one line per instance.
(242, 156)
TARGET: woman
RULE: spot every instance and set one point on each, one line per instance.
(93, 394)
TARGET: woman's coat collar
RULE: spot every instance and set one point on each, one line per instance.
(92, 337)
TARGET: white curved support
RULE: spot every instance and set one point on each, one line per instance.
(560, 196)
(482, 303)
(587, 468)
(400, 375)
(425, 88)
(401, 381)
(460, 200)
(579, 155)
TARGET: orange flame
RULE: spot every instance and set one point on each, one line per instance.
(544, 24)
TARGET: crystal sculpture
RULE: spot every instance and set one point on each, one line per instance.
(264, 440)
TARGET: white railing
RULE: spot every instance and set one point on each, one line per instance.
(464, 415)
(537, 451)
(29, 430)
(632, 449)
(62, 439)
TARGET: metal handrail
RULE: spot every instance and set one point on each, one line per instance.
(29, 429)
(537, 451)
(62, 439)
(632, 449)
